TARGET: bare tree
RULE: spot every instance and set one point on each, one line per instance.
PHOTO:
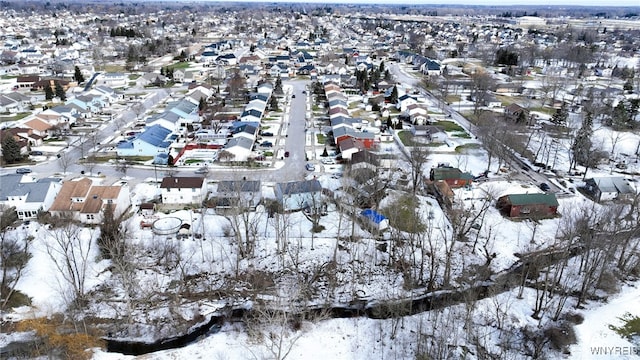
(481, 83)
(64, 161)
(14, 255)
(70, 249)
(279, 324)
(418, 158)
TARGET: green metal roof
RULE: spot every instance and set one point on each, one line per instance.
(444, 173)
(532, 199)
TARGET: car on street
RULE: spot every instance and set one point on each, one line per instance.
(328, 161)
(545, 187)
(266, 133)
(310, 167)
(36, 153)
(266, 144)
(293, 96)
(286, 154)
(23, 171)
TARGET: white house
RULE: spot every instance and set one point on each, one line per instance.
(27, 195)
(86, 202)
(183, 190)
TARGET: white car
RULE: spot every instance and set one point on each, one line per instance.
(328, 161)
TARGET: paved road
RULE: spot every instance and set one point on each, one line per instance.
(292, 138)
(521, 170)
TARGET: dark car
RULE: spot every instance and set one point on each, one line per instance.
(286, 154)
(23, 171)
(267, 133)
(545, 187)
(293, 96)
(266, 144)
(36, 153)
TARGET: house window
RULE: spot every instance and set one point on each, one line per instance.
(109, 201)
(525, 210)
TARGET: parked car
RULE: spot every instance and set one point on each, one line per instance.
(266, 133)
(310, 167)
(36, 153)
(545, 187)
(293, 96)
(23, 171)
(328, 161)
(266, 144)
(286, 154)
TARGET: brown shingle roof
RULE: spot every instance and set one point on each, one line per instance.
(38, 124)
(68, 191)
(186, 182)
(97, 197)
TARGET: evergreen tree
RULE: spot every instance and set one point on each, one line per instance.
(202, 104)
(77, 75)
(389, 122)
(324, 152)
(620, 116)
(560, 116)
(582, 146)
(48, 92)
(381, 67)
(11, 150)
(394, 95)
(273, 103)
(60, 92)
(278, 87)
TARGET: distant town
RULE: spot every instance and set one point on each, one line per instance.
(318, 180)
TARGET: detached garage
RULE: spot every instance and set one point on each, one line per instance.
(528, 205)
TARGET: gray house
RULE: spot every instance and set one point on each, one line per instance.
(27, 195)
(608, 188)
(243, 193)
(298, 195)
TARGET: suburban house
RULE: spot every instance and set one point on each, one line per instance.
(431, 132)
(114, 79)
(368, 139)
(85, 202)
(183, 190)
(239, 148)
(608, 188)
(238, 194)
(418, 114)
(152, 141)
(350, 146)
(374, 219)
(535, 205)
(454, 177)
(298, 195)
(27, 195)
(515, 112)
(404, 101)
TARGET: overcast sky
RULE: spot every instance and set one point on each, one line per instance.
(635, 3)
